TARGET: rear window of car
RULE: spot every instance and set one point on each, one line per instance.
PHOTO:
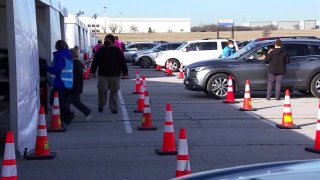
(316, 49)
(297, 49)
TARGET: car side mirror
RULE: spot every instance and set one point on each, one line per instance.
(185, 50)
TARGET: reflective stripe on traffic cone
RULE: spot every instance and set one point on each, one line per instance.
(56, 125)
(168, 144)
(230, 95)
(181, 73)
(141, 99)
(42, 145)
(183, 160)
(9, 166)
(146, 117)
(247, 104)
(316, 148)
(137, 88)
(287, 120)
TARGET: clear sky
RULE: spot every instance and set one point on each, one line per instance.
(200, 11)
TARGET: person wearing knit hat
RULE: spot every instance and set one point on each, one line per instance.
(111, 65)
(73, 95)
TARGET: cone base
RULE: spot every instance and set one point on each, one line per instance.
(311, 149)
(280, 126)
(243, 109)
(62, 129)
(141, 128)
(228, 102)
(137, 111)
(170, 74)
(33, 156)
(135, 93)
(162, 153)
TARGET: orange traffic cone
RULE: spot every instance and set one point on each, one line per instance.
(137, 88)
(169, 72)
(167, 67)
(56, 125)
(316, 148)
(230, 96)
(85, 74)
(247, 105)
(168, 144)
(146, 117)
(287, 122)
(9, 166)
(141, 99)
(42, 146)
(181, 73)
(183, 161)
(158, 68)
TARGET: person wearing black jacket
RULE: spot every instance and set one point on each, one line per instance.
(73, 95)
(277, 60)
(111, 65)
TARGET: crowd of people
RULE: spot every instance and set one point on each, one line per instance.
(108, 61)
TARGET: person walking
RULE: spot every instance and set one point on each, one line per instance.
(58, 64)
(111, 65)
(73, 95)
(277, 60)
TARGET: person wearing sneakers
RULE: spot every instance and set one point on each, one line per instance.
(111, 65)
(277, 60)
(73, 95)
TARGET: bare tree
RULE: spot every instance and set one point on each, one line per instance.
(120, 29)
(113, 27)
(134, 28)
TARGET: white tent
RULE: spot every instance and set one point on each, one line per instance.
(29, 31)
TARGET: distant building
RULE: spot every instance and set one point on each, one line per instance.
(141, 25)
(302, 25)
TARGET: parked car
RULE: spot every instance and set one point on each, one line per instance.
(146, 58)
(284, 170)
(192, 51)
(134, 47)
(303, 73)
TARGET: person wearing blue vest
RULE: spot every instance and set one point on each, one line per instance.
(228, 50)
(58, 85)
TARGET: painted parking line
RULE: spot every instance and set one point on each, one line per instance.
(124, 111)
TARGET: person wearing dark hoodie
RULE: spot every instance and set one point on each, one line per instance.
(58, 85)
(277, 60)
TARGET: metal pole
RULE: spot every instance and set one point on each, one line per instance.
(105, 19)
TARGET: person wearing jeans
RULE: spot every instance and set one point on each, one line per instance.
(277, 60)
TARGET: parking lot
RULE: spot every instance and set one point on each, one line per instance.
(219, 135)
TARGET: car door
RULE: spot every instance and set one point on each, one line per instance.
(301, 64)
(253, 69)
(199, 51)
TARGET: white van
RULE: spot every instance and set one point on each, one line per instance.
(192, 51)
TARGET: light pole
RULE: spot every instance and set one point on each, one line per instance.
(105, 19)
(95, 23)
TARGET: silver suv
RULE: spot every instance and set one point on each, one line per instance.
(303, 72)
(134, 47)
(146, 58)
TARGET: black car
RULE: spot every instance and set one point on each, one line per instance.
(303, 73)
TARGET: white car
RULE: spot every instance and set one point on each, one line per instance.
(192, 51)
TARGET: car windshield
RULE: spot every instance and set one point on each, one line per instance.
(182, 45)
(241, 51)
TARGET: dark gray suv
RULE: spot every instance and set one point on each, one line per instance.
(303, 73)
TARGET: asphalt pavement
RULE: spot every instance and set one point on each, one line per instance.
(109, 146)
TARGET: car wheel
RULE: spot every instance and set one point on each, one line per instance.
(217, 86)
(145, 62)
(175, 65)
(315, 86)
